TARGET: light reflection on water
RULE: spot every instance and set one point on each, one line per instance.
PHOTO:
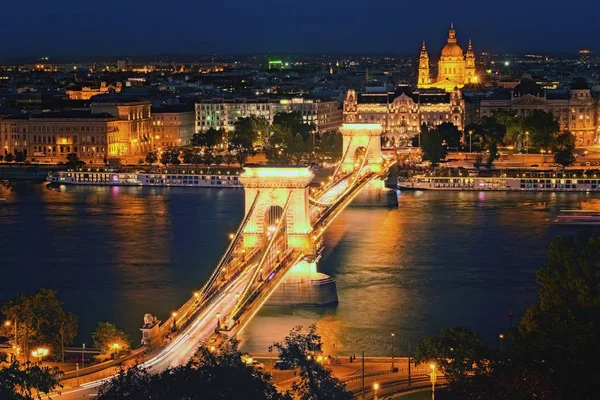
(433, 260)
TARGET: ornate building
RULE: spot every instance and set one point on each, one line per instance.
(455, 69)
(402, 112)
(575, 109)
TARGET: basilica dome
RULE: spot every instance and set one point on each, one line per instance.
(452, 50)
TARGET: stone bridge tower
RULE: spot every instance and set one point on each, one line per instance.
(361, 140)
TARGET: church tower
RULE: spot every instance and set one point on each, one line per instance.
(470, 76)
(423, 67)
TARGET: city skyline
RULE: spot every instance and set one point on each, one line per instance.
(140, 28)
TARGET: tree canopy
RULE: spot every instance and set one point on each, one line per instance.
(219, 375)
(542, 128)
(109, 340)
(26, 381)
(561, 332)
(564, 149)
(304, 350)
(41, 318)
(431, 145)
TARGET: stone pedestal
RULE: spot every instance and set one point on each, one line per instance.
(304, 286)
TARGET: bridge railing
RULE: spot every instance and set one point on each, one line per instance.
(244, 296)
(226, 257)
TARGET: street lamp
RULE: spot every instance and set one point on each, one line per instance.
(39, 353)
(470, 141)
(527, 141)
(376, 389)
(501, 336)
(393, 336)
(433, 377)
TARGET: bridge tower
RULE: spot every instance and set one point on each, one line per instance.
(361, 140)
(267, 190)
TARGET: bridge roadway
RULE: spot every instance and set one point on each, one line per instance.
(201, 321)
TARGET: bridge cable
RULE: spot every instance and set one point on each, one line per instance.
(238, 235)
(243, 297)
(358, 171)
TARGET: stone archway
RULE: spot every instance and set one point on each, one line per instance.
(367, 136)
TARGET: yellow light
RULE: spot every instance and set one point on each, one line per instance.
(308, 357)
(196, 294)
(116, 346)
(231, 236)
(432, 366)
(174, 314)
(376, 386)
(320, 359)
(212, 349)
(501, 336)
(6, 323)
(361, 126)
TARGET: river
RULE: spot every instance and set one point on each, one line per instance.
(412, 266)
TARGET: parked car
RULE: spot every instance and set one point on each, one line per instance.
(283, 365)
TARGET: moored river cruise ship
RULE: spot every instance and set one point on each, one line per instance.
(529, 184)
(144, 179)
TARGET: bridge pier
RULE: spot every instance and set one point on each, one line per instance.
(304, 286)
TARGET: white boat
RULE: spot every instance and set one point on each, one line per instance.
(144, 179)
(525, 183)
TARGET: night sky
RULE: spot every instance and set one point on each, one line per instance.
(135, 27)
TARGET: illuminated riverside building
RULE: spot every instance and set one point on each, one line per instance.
(172, 126)
(401, 113)
(576, 110)
(133, 138)
(455, 68)
(51, 136)
(116, 128)
(218, 113)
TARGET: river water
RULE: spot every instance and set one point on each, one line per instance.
(404, 262)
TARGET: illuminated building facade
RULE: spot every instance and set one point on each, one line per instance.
(172, 126)
(51, 136)
(133, 138)
(455, 68)
(401, 113)
(324, 115)
(576, 110)
(86, 93)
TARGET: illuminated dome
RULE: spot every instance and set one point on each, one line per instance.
(452, 50)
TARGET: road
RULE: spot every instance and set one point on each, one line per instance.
(185, 344)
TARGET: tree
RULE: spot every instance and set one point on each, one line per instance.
(244, 136)
(291, 140)
(1, 158)
(26, 381)
(20, 155)
(512, 122)
(211, 138)
(458, 353)
(41, 319)
(542, 127)
(478, 162)
(431, 145)
(564, 149)
(330, 146)
(188, 157)
(303, 350)
(151, 157)
(109, 340)
(450, 135)
(561, 333)
(170, 156)
(9, 157)
(73, 161)
(210, 375)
